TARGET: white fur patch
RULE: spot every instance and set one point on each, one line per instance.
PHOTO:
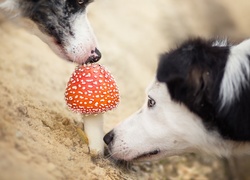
(11, 8)
(9, 5)
(237, 73)
(220, 42)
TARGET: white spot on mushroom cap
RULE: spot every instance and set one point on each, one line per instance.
(88, 75)
(89, 80)
(80, 92)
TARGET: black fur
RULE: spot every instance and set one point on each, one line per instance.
(52, 16)
(193, 73)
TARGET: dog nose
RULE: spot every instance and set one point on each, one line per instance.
(95, 56)
(109, 137)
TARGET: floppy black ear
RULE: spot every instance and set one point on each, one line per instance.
(186, 78)
(177, 63)
(172, 67)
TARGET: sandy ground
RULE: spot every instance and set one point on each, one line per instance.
(38, 138)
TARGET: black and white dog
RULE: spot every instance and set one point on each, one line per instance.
(199, 101)
(62, 24)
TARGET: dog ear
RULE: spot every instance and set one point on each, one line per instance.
(176, 64)
(171, 67)
(183, 73)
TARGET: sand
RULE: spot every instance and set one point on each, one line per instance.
(38, 137)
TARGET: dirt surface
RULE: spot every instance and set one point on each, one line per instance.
(38, 137)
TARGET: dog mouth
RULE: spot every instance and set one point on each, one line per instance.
(147, 155)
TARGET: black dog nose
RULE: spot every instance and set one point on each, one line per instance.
(108, 137)
(95, 56)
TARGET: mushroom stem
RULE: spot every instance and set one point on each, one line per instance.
(93, 127)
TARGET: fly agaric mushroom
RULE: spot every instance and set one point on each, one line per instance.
(92, 91)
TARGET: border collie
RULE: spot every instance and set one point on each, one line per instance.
(199, 101)
(62, 24)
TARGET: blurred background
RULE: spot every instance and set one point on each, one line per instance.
(34, 133)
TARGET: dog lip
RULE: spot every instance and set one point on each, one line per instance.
(59, 49)
(147, 154)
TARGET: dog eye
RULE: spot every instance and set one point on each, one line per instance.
(80, 2)
(151, 102)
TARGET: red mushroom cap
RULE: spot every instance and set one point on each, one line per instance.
(91, 90)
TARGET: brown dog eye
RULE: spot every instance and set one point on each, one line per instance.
(151, 102)
(80, 2)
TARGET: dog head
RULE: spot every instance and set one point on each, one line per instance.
(63, 25)
(182, 107)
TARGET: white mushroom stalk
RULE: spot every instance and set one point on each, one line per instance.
(92, 91)
(93, 127)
